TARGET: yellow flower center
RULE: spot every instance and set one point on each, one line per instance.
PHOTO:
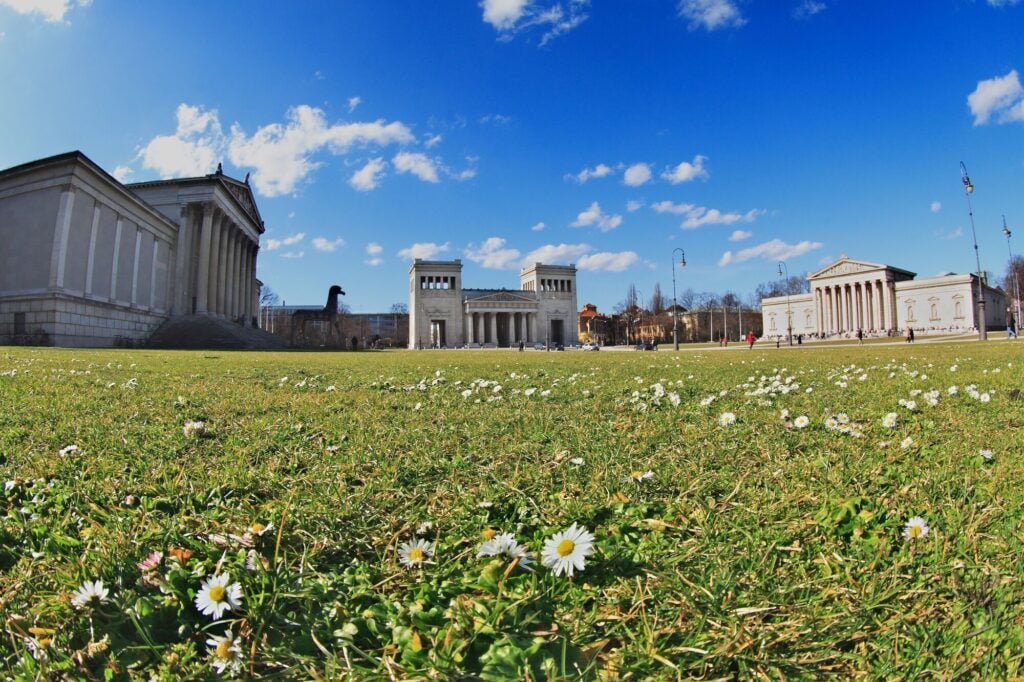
(637, 475)
(416, 554)
(217, 593)
(915, 531)
(224, 649)
(257, 528)
(565, 547)
(489, 534)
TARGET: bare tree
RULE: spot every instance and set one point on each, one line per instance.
(687, 298)
(658, 303)
(268, 297)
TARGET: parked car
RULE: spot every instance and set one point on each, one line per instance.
(590, 346)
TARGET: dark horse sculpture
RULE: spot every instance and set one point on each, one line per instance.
(329, 313)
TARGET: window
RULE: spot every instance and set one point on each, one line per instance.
(19, 323)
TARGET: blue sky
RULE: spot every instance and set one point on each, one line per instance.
(506, 131)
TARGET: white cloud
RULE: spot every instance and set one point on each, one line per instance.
(594, 216)
(416, 163)
(634, 205)
(999, 96)
(467, 174)
(328, 245)
(374, 249)
(282, 154)
(493, 254)
(122, 173)
(503, 14)
(552, 253)
(432, 141)
(606, 261)
(936, 206)
(675, 209)
(1002, 3)
(275, 244)
(946, 235)
(808, 8)
(509, 17)
(774, 250)
(368, 177)
(637, 174)
(51, 10)
(293, 254)
(426, 250)
(354, 102)
(598, 171)
(711, 14)
(374, 262)
(192, 150)
(704, 216)
(740, 235)
(539, 227)
(686, 171)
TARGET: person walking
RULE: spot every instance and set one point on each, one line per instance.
(908, 334)
(750, 339)
(1011, 326)
(860, 336)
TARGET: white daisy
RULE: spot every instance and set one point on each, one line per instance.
(801, 422)
(69, 450)
(567, 551)
(986, 455)
(194, 429)
(984, 397)
(226, 654)
(505, 544)
(727, 419)
(915, 529)
(415, 553)
(889, 421)
(906, 442)
(578, 461)
(216, 596)
(90, 593)
(639, 477)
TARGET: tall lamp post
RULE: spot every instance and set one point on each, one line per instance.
(968, 191)
(675, 305)
(789, 311)
(1016, 280)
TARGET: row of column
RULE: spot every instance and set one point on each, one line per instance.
(226, 280)
(483, 327)
(868, 305)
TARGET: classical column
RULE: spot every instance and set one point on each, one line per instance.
(211, 265)
(882, 326)
(222, 268)
(892, 303)
(229, 278)
(514, 321)
(470, 331)
(238, 306)
(253, 304)
(205, 246)
(533, 328)
(494, 328)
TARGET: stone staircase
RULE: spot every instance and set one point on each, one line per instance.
(200, 331)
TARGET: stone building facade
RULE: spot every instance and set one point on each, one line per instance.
(89, 261)
(850, 294)
(444, 314)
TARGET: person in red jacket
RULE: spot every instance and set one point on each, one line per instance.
(750, 339)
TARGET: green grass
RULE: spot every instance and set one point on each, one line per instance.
(755, 550)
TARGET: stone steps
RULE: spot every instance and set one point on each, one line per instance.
(200, 331)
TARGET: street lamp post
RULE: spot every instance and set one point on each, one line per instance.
(968, 191)
(675, 305)
(1016, 280)
(789, 311)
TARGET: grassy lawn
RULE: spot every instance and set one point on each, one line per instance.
(329, 519)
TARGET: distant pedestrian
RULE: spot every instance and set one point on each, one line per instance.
(799, 339)
(1011, 326)
(911, 335)
(750, 339)
(908, 334)
(860, 336)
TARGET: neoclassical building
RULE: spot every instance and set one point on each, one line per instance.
(89, 261)
(442, 313)
(851, 294)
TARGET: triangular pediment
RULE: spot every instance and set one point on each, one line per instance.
(243, 195)
(847, 266)
(504, 297)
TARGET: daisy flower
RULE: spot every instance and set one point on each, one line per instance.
(727, 419)
(505, 544)
(639, 477)
(801, 422)
(416, 552)
(906, 442)
(90, 594)
(986, 455)
(151, 562)
(578, 461)
(915, 529)
(226, 654)
(217, 596)
(889, 421)
(567, 551)
(69, 450)
(194, 429)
